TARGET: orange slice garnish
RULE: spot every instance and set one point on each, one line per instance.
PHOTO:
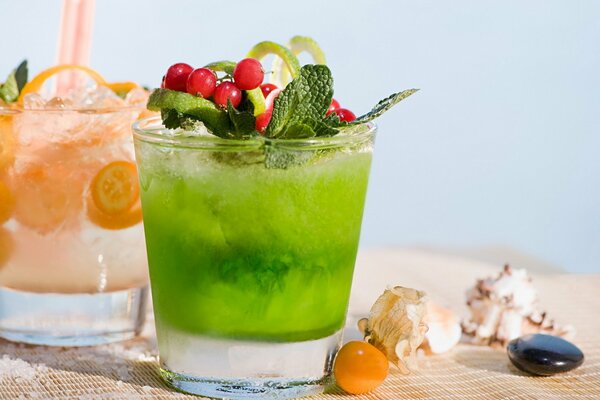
(122, 88)
(7, 203)
(36, 84)
(7, 245)
(115, 187)
(7, 142)
(123, 220)
(47, 197)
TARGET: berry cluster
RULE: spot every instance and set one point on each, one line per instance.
(247, 75)
(203, 82)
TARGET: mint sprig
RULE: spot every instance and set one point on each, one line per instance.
(299, 110)
(10, 90)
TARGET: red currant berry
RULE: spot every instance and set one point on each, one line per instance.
(227, 91)
(162, 83)
(202, 82)
(262, 121)
(248, 74)
(267, 88)
(177, 76)
(333, 106)
(345, 115)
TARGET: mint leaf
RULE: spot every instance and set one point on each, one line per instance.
(306, 129)
(333, 120)
(21, 75)
(298, 130)
(383, 106)
(10, 90)
(243, 122)
(301, 106)
(172, 119)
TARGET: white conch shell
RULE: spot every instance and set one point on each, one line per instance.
(395, 325)
(505, 308)
(444, 329)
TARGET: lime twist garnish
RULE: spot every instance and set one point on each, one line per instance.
(263, 49)
(298, 44)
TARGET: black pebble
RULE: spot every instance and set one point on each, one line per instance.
(541, 354)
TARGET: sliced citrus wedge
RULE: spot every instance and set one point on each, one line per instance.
(7, 142)
(123, 220)
(47, 197)
(263, 49)
(7, 244)
(115, 187)
(7, 203)
(298, 44)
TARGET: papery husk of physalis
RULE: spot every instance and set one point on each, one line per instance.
(395, 325)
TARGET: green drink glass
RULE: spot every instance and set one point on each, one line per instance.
(251, 248)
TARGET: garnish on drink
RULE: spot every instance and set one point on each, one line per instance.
(232, 101)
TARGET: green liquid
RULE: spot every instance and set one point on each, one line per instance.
(247, 252)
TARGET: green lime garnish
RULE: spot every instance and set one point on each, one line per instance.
(206, 111)
(222, 66)
(297, 45)
(255, 96)
(263, 49)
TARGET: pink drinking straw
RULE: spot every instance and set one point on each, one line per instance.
(74, 40)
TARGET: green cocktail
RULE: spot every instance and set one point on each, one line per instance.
(244, 251)
(252, 195)
(251, 243)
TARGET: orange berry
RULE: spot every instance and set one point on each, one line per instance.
(359, 367)
(115, 188)
(7, 245)
(7, 203)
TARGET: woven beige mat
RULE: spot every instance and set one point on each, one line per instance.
(129, 370)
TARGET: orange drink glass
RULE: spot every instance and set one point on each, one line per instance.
(72, 254)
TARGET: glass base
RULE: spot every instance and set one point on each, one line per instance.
(245, 389)
(241, 369)
(55, 319)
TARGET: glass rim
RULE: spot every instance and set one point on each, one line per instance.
(151, 130)
(19, 109)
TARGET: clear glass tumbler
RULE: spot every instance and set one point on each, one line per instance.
(251, 248)
(73, 267)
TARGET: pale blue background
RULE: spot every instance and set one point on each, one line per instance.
(500, 148)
